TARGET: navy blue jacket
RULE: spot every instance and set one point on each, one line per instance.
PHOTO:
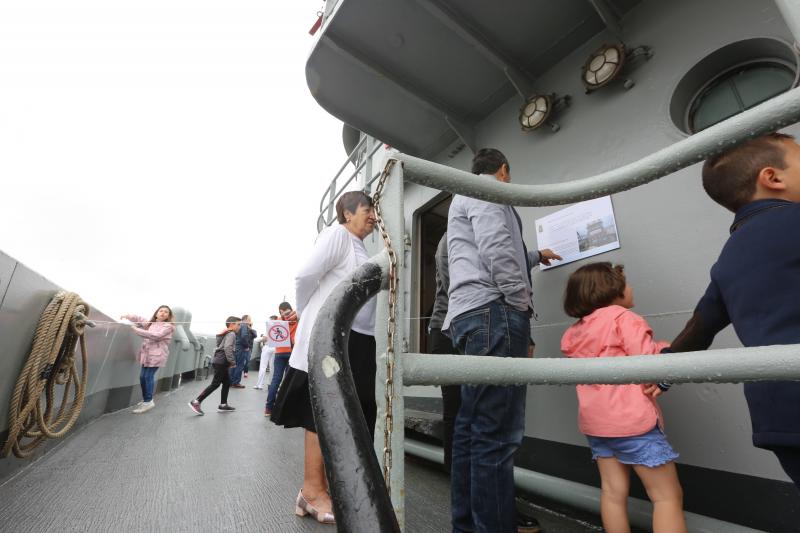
(755, 285)
(244, 340)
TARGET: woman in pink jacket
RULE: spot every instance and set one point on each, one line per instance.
(622, 423)
(157, 334)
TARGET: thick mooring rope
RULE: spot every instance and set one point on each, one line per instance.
(33, 418)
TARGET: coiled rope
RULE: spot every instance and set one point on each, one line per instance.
(51, 364)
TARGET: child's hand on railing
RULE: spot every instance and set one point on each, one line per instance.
(652, 390)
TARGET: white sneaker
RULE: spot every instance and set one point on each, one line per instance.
(146, 406)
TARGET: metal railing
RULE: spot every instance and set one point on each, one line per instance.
(773, 114)
(719, 366)
(361, 157)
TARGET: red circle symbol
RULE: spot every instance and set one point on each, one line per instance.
(278, 333)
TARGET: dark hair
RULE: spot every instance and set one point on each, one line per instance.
(730, 177)
(273, 317)
(351, 201)
(593, 286)
(284, 305)
(488, 161)
(232, 320)
(170, 318)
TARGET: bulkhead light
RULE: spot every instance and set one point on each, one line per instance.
(534, 111)
(603, 66)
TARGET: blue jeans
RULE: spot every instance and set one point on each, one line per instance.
(147, 379)
(236, 372)
(490, 423)
(279, 369)
(246, 365)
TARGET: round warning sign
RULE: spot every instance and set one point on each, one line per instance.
(278, 333)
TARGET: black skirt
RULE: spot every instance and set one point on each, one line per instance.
(292, 407)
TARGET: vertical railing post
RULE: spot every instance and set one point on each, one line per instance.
(332, 193)
(394, 218)
(366, 173)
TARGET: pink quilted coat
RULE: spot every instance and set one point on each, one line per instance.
(613, 410)
(155, 343)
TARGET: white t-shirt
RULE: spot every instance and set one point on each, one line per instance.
(365, 319)
(335, 256)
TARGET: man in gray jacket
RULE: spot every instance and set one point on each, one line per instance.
(488, 314)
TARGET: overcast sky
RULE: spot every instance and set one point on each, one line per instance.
(162, 151)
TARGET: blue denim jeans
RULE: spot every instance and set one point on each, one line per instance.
(236, 372)
(278, 370)
(147, 379)
(246, 363)
(490, 423)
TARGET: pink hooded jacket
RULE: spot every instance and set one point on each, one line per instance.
(613, 410)
(155, 345)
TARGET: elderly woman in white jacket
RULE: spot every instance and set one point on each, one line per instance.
(338, 251)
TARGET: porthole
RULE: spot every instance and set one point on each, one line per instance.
(739, 89)
(731, 80)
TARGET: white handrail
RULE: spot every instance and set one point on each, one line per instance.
(734, 365)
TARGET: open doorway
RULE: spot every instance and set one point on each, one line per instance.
(432, 225)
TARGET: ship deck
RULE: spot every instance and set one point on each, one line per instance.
(169, 469)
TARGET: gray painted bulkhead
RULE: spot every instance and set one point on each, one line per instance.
(670, 231)
(113, 381)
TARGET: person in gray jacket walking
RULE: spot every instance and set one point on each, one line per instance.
(222, 362)
(489, 310)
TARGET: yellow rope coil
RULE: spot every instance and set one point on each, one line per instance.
(50, 364)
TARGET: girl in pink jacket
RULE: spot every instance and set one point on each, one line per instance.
(157, 334)
(622, 423)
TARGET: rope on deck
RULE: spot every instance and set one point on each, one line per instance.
(50, 364)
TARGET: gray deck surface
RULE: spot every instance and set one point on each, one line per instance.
(170, 470)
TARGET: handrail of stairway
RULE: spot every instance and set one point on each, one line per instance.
(361, 502)
(333, 193)
(350, 159)
(773, 114)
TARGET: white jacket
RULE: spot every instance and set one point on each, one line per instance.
(332, 260)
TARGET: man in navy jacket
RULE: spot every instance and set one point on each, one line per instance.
(755, 283)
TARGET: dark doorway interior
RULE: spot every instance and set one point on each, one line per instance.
(432, 224)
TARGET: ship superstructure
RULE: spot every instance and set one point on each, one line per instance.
(604, 84)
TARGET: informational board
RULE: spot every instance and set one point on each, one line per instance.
(278, 334)
(579, 231)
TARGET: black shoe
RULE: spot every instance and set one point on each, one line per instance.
(527, 524)
(225, 408)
